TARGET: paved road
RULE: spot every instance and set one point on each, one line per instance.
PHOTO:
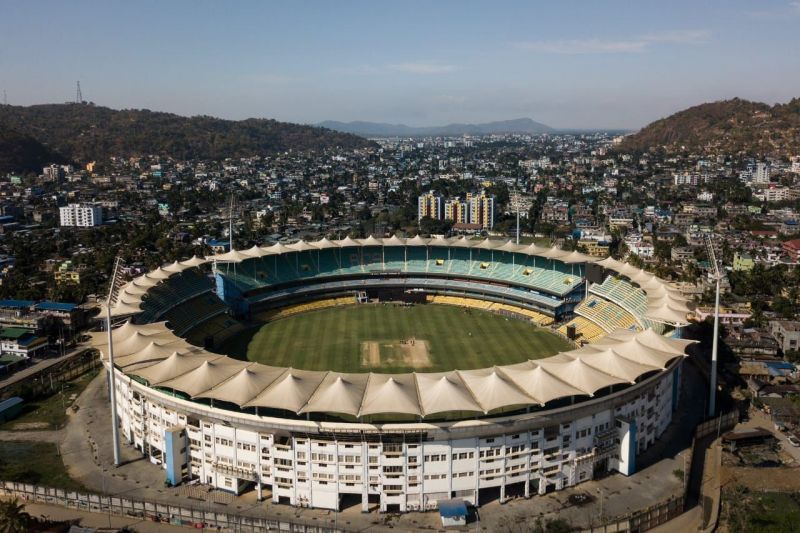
(96, 520)
(39, 365)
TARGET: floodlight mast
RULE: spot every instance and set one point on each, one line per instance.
(113, 295)
(712, 400)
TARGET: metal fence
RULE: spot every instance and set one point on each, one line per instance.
(179, 515)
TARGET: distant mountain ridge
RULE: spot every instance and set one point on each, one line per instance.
(85, 132)
(729, 126)
(382, 129)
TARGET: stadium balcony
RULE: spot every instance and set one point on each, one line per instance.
(606, 314)
(629, 297)
(586, 330)
(182, 287)
(518, 269)
(194, 311)
(544, 304)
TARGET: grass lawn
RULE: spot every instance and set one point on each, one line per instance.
(50, 412)
(34, 462)
(756, 512)
(331, 339)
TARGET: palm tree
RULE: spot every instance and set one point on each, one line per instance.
(13, 518)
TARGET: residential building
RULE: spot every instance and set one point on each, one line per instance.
(481, 210)
(81, 215)
(787, 333)
(456, 210)
(429, 205)
(792, 249)
(21, 343)
(66, 274)
(743, 262)
(595, 248)
(761, 175)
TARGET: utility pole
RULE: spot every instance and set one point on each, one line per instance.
(712, 400)
(113, 294)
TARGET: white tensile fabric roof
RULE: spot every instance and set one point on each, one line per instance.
(290, 391)
(255, 251)
(338, 393)
(493, 390)
(301, 246)
(371, 241)
(194, 261)
(581, 375)
(444, 391)
(155, 354)
(245, 385)
(390, 393)
(173, 366)
(233, 256)
(542, 385)
(175, 267)
(206, 376)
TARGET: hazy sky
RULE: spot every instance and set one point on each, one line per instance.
(568, 64)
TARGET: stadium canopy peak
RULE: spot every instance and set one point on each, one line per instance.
(234, 256)
(463, 242)
(278, 248)
(175, 267)
(554, 252)
(533, 249)
(371, 241)
(439, 240)
(611, 264)
(511, 246)
(194, 261)
(325, 243)
(255, 251)
(301, 246)
(577, 257)
(394, 240)
(489, 244)
(347, 241)
(538, 382)
(418, 240)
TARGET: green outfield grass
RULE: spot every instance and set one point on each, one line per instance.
(335, 338)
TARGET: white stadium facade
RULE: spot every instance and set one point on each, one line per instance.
(401, 441)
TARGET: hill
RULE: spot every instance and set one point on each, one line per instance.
(85, 132)
(728, 126)
(21, 153)
(381, 129)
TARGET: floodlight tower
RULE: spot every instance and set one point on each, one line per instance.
(113, 294)
(712, 256)
(515, 202)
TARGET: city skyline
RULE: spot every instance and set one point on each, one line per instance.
(568, 66)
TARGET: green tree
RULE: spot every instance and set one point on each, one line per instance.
(13, 518)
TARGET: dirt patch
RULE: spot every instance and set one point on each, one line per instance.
(776, 479)
(412, 353)
(22, 426)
